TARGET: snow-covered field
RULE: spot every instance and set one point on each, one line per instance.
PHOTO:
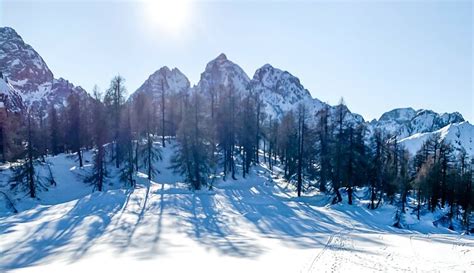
(252, 225)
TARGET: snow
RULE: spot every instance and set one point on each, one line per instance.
(11, 99)
(172, 81)
(460, 135)
(222, 72)
(19, 83)
(405, 122)
(15, 62)
(251, 225)
(281, 92)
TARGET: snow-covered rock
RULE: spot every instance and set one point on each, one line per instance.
(28, 74)
(171, 81)
(404, 122)
(281, 92)
(9, 97)
(20, 63)
(221, 74)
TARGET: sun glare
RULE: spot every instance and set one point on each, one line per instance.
(169, 15)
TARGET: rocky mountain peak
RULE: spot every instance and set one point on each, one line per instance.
(400, 114)
(20, 63)
(170, 81)
(30, 79)
(223, 73)
(8, 33)
(404, 122)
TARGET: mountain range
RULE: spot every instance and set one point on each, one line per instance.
(26, 82)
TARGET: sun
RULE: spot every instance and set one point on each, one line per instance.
(169, 15)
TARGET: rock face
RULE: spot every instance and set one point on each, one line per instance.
(20, 63)
(28, 74)
(9, 97)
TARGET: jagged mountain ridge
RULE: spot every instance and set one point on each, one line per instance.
(29, 83)
(404, 122)
(172, 81)
(460, 135)
(280, 92)
(28, 74)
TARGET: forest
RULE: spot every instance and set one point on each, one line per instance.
(224, 133)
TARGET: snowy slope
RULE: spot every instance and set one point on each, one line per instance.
(251, 225)
(460, 135)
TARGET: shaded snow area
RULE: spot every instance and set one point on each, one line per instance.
(252, 225)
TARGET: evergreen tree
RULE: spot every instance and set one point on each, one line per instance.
(323, 152)
(54, 131)
(126, 140)
(191, 158)
(24, 176)
(99, 173)
(338, 149)
(226, 127)
(246, 133)
(74, 126)
(148, 153)
(301, 142)
(114, 100)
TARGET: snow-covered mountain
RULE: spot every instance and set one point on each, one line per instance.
(404, 122)
(171, 81)
(460, 135)
(29, 75)
(281, 92)
(27, 82)
(221, 74)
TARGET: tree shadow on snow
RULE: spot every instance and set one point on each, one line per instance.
(213, 229)
(83, 223)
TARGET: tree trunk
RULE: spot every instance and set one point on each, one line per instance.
(79, 153)
(30, 166)
(349, 195)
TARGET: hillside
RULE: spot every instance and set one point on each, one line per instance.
(256, 224)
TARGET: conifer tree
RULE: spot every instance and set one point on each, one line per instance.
(191, 158)
(114, 100)
(99, 173)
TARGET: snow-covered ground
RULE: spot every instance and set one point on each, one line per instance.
(252, 225)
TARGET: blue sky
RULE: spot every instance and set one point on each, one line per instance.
(378, 55)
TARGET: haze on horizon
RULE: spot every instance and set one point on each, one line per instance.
(378, 55)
